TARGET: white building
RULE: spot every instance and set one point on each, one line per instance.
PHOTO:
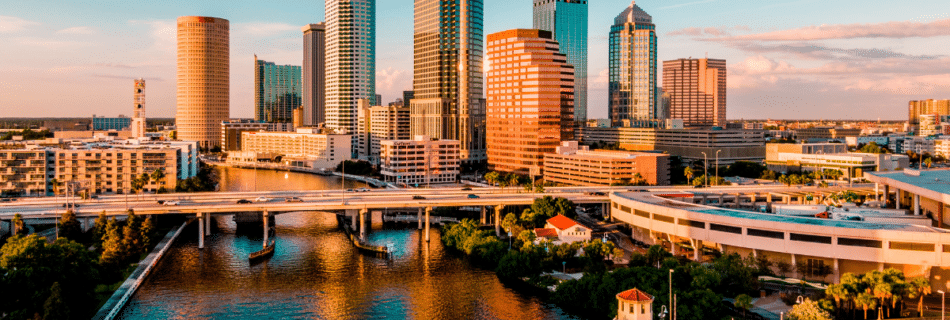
(301, 149)
(420, 161)
(881, 141)
(819, 156)
(564, 229)
(350, 61)
(377, 124)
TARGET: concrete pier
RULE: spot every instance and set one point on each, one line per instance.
(428, 211)
(201, 231)
(266, 227)
(419, 218)
(363, 224)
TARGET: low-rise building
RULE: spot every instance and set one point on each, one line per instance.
(826, 133)
(104, 124)
(689, 144)
(377, 124)
(634, 304)
(231, 131)
(880, 140)
(566, 230)
(782, 157)
(577, 165)
(420, 161)
(26, 172)
(303, 148)
(921, 145)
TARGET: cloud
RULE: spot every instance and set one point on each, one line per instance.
(685, 4)
(10, 24)
(700, 32)
(819, 52)
(387, 79)
(77, 31)
(891, 30)
(264, 28)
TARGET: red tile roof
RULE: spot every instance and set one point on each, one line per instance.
(634, 295)
(545, 233)
(562, 223)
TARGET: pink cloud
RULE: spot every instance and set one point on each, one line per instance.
(893, 29)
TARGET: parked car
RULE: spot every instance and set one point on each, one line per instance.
(243, 201)
(362, 190)
(418, 198)
(467, 189)
(473, 196)
(74, 205)
(293, 199)
(170, 203)
(262, 199)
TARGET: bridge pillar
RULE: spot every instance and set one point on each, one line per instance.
(353, 215)
(887, 194)
(497, 219)
(419, 218)
(877, 192)
(201, 231)
(835, 273)
(363, 224)
(266, 227)
(898, 197)
(916, 205)
(483, 215)
(208, 224)
(794, 267)
(605, 211)
(697, 250)
(428, 211)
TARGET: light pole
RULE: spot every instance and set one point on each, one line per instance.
(705, 169)
(672, 312)
(943, 304)
(717, 166)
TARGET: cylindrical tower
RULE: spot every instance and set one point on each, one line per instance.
(203, 79)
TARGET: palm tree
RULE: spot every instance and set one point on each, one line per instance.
(785, 180)
(159, 176)
(689, 174)
(866, 301)
(928, 162)
(145, 179)
(918, 288)
(744, 302)
(839, 292)
(55, 183)
(492, 177)
(17, 224)
(513, 179)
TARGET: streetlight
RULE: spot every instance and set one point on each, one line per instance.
(673, 311)
(717, 166)
(705, 169)
(943, 304)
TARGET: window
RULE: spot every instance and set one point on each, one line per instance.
(860, 243)
(660, 217)
(809, 238)
(691, 223)
(642, 213)
(912, 246)
(765, 233)
(725, 228)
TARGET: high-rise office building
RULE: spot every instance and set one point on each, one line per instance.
(530, 100)
(350, 61)
(632, 89)
(567, 20)
(276, 91)
(314, 61)
(448, 101)
(697, 91)
(204, 79)
(138, 109)
(917, 108)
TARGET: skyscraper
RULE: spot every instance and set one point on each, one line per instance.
(632, 63)
(350, 61)
(138, 109)
(314, 62)
(567, 20)
(204, 81)
(697, 91)
(526, 119)
(448, 101)
(276, 91)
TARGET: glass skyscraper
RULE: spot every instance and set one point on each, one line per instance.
(350, 61)
(314, 62)
(567, 20)
(277, 91)
(449, 101)
(632, 63)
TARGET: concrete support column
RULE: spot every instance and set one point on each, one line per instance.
(497, 219)
(787, 199)
(673, 248)
(428, 211)
(877, 192)
(207, 224)
(880, 266)
(836, 273)
(266, 227)
(898, 197)
(605, 211)
(363, 224)
(483, 215)
(916, 205)
(752, 198)
(768, 199)
(353, 220)
(201, 231)
(794, 267)
(697, 250)
(887, 194)
(704, 200)
(419, 218)
(940, 215)
(722, 199)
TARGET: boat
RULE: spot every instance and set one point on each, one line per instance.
(264, 253)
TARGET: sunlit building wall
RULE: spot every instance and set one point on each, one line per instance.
(203, 79)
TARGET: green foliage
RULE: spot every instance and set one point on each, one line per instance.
(808, 310)
(27, 135)
(18, 224)
(655, 254)
(713, 181)
(205, 181)
(99, 229)
(55, 308)
(872, 147)
(743, 302)
(356, 167)
(769, 175)
(33, 267)
(69, 227)
(745, 169)
(465, 236)
(545, 208)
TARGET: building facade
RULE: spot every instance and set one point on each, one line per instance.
(567, 21)
(350, 72)
(231, 132)
(379, 124)
(302, 148)
(688, 144)
(578, 166)
(930, 106)
(697, 91)
(138, 109)
(632, 65)
(204, 79)
(448, 101)
(314, 62)
(27, 172)
(530, 100)
(786, 157)
(826, 133)
(106, 124)
(420, 161)
(276, 91)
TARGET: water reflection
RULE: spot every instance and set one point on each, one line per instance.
(235, 179)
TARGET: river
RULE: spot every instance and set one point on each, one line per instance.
(317, 274)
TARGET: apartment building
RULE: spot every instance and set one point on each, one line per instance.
(782, 157)
(380, 123)
(577, 165)
(303, 148)
(420, 161)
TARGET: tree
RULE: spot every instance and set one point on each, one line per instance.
(784, 179)
(918, 288)
(510, 221)
(493, 177)
(54, 308)
(743, 302)
(99, 230)
(655, 254)
(69, 227)
(17, 224)
(148, 231)
(865, 301)
(839, 292)
(872, 147)
(928, 162)
(808, 310)
(33, 266)
(145, 178)
(768, 175)
(783, 267)
(114, 251)
(55, 183)
(688, 172)
(159, 176)
(539, 188)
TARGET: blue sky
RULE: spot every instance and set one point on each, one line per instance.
(807, 59)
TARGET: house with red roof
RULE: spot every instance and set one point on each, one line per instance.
(563, 229)
(634, 304)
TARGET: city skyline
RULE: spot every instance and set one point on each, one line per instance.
(864, 62)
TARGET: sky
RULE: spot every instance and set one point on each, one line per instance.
(803, 59)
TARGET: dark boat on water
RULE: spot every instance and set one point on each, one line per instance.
(267, 252)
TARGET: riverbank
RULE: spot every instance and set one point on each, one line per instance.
(321, 172)
(125, 291)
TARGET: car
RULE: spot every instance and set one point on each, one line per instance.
(349, 190)
(243, 201)
(473, 196)
(418, 198)
(594, 194)
(161, 201)
(293, 199)
(362, 190)
(170, 203)
(467, 189)
(74, 205)
(262, 199)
